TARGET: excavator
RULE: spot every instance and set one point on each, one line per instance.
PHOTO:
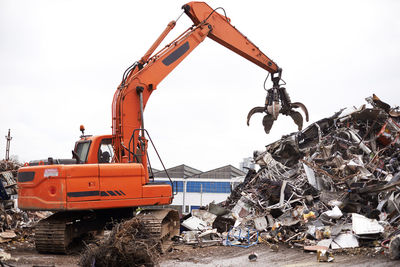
(109, 176)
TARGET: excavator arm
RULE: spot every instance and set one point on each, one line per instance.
(143, 77)
(138, 83)
(227, 35)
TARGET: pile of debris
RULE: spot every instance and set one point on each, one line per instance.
(128, 244)
(8, 193)
(14, 223)
(333, 185)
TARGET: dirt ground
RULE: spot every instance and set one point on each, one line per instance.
(290, 257)
(212, 256)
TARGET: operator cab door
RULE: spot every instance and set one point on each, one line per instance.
(82, 179)
(118, 181)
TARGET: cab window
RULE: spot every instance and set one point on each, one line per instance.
(106, 152)
(82, 149)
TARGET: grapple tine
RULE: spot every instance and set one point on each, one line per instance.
(297, 118)
(268, 121)
(252, 111)
(302, 106)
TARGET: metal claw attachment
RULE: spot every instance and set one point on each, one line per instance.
(278, 101)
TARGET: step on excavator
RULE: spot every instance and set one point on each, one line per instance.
(109, 176)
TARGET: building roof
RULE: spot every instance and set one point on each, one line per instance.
(154, 170)
(180, 171)
(225, 172)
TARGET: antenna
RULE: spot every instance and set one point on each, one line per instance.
(8, 138)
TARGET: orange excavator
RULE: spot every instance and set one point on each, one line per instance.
(108, 176)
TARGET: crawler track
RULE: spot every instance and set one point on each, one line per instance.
(162, 224)
(52, 236)
(56, 233)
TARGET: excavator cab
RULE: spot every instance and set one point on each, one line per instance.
(93, 149)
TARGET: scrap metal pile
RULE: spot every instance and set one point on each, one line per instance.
(333, 185)
(15, 225)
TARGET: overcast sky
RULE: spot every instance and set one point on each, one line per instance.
(61, 62)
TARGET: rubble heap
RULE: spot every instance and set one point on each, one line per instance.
(333, 185)
(129, 244)
(14, 223)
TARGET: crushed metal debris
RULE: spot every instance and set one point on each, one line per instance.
(16, 226)
(331, 186)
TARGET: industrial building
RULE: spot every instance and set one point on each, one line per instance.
(195, 188)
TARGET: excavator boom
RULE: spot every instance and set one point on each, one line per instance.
(143, 77)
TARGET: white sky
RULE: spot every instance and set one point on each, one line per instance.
(61, 62)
